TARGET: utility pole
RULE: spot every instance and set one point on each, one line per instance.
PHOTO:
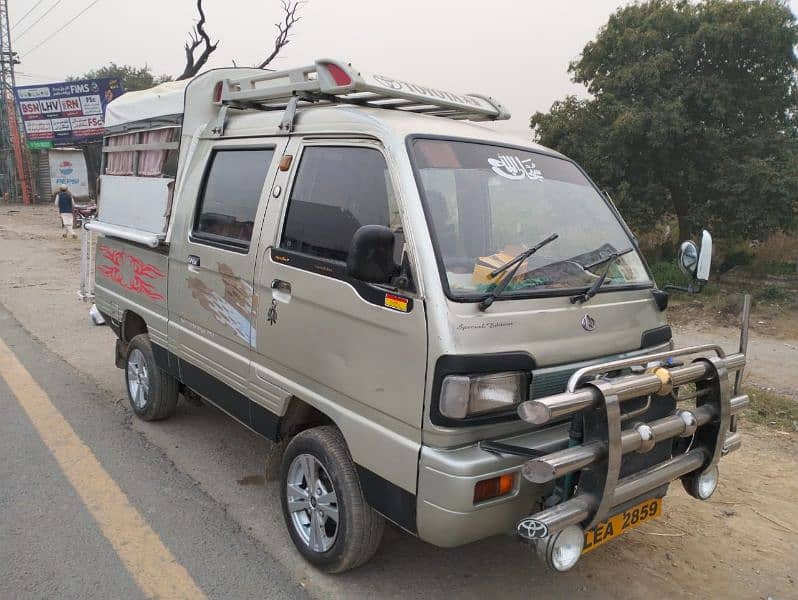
(14, 168)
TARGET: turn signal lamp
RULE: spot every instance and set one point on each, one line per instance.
(487, 489)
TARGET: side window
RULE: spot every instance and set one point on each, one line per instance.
(337, 190)
(230, 195)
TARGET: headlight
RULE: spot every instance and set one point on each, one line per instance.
(467, 395)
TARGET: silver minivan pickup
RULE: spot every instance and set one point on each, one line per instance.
(436, 324)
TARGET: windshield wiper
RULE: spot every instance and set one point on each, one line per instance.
(593, 289)
(513, 265)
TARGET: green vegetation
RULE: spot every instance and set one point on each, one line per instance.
(772, 409)
(666, 272)
(775, 295)
(133, 78)
(692, 114)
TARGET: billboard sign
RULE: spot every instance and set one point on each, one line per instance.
(66, 113)
(68, 167)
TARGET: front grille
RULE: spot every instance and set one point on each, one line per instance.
(547, 382)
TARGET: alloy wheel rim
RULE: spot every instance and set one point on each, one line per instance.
(312, 503)
(138, 380)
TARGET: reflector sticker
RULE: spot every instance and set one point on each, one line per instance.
(515, 167)
(396, 302)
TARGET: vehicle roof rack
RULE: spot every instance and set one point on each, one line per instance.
(330, 81)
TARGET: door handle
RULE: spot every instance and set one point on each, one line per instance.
(281, 292)
(279, 285)
(193, 262)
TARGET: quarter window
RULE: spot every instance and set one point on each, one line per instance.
(337, 190)
(230, 196)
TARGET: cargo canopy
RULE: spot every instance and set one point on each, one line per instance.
(147, 108)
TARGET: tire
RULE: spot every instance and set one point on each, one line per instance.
(353, 540)
(151, 391)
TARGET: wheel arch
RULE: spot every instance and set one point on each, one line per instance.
(386, 460)
(133, 324)
(299, 416)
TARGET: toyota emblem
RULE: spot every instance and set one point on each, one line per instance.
(532, 529)
(588, 323)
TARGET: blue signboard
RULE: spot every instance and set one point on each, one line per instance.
(67, 113)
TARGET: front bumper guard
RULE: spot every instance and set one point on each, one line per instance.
(599, 398)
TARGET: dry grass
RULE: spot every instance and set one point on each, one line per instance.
(772, 409)
(774, 312)
(778, 248)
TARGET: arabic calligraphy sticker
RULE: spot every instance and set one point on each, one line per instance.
(514, 167)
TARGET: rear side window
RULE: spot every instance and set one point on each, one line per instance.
(230, 196)
(337, 190)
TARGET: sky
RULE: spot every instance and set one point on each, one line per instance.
(514, 50)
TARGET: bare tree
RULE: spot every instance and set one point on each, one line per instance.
(197, 37)
(290, 18)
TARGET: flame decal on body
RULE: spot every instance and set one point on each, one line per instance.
(130, 272)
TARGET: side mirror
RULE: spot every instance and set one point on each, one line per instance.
(371, 254)
(695, 263)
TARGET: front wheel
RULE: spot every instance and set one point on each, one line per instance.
(327, 516)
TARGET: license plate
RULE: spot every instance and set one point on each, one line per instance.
(622, 522)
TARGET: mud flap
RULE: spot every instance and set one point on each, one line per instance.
(120, 354)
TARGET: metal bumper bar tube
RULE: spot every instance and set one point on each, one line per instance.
(640, 483)
(544, 410)
(557, 518)
(557, 464)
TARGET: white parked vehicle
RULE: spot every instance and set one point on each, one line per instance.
(439, 325)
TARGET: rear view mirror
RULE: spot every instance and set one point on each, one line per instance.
(695, 262)
(371, 254)
(688, 258)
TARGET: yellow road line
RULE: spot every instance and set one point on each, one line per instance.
(141, 550)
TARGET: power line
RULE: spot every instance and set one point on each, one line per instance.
(22, 18)
(60, 29)
(37, 76)
(44, 14)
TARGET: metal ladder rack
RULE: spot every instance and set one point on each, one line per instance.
(329, 81)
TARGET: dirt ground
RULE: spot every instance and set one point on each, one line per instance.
(743, 543)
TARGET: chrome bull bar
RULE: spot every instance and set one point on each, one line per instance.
(601, 491)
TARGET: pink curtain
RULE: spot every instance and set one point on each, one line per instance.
(151, 162)
(120, 163)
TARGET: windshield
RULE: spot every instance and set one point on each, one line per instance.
(487, 204)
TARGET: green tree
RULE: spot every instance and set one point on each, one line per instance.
(132, 78)
(692, 112)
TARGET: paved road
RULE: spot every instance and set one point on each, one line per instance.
(90, 509)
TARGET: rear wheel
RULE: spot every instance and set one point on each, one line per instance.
(327, 517)
(151, 391)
